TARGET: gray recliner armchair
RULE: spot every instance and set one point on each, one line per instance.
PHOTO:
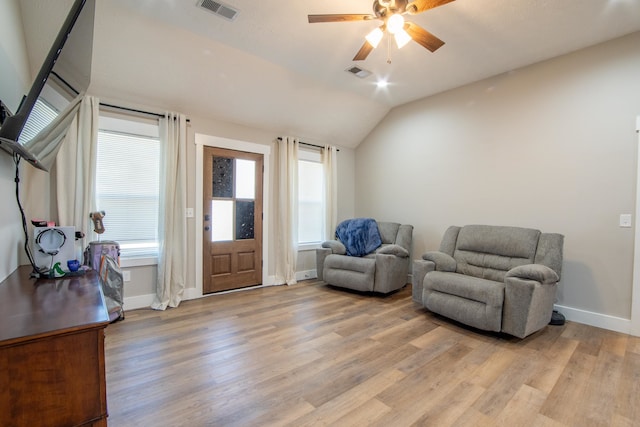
(500, 279)
(383, 270)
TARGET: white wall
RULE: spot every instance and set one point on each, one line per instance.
(14, 83)
(550, 146)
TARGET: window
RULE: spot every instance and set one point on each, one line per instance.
(127, 184)
(310, 198)
(54, 98)
(43, 113)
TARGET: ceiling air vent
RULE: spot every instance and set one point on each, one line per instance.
(359, 72)
(220, 9)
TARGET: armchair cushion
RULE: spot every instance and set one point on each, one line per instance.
(471, 300)
(482, 290)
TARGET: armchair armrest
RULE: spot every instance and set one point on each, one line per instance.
(335, 246)
(420, 269)
(321, 254)
(538, 272)
(442, 261)
(396, 250)
(529, 294)
(391, 272)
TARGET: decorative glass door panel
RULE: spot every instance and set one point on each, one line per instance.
(222, 214)
(232, 219)
(245, 179)
(245, 219)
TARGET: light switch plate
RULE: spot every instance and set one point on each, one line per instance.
(625, 220)
(126, 275)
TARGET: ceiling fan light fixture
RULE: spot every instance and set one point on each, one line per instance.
(374, 37)
(395, 23)
(390, 12)
(402, 38)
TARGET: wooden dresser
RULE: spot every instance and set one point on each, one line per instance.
(52, 369)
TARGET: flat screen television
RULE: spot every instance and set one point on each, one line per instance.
(63, 77)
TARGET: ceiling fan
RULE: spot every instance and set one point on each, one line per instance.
(391, 12)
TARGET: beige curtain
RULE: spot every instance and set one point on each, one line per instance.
(46, 144)
(286, 251)
(172, 222)
(330, 169)
(74, 170)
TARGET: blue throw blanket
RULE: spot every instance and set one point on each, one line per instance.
(359, 235)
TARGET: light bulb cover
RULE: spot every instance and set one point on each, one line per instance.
(402, 38)
(395, 23)
(374, 37)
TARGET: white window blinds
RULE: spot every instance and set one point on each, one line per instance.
(127, 186)
(310, 199)
(41, 115)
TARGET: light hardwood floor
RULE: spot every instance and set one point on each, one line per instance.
(309, 355)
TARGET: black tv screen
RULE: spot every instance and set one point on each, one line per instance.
(64, 75)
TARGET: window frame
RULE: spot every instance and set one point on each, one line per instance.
(315, 156)
(137, 126)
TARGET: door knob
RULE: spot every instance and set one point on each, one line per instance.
(206, 228)
(207, 217)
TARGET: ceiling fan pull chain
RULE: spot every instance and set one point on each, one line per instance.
(388, 50)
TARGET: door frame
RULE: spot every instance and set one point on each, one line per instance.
(202, 140)
(635, 287)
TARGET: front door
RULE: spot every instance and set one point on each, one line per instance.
(232, 223)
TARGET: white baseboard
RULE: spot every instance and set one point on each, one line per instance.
(145, 301)
(138, 301)
(598, 320)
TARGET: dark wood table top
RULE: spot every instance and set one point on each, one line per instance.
(31, 308)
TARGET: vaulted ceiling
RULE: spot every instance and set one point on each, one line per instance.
(270, 69)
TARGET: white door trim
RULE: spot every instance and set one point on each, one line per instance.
(214, 141)
(635, 292)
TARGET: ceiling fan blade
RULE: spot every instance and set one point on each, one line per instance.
(419, 6)
(340, 18)
(364, 51)
(423, 37)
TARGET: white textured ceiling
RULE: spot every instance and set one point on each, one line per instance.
(271, 69)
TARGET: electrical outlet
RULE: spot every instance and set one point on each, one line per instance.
(189, 213)
(625, 220)
(126, 275)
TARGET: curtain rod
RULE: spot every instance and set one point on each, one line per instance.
(133, 110)
(103, 104)
(64, 82)
(310, 145)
